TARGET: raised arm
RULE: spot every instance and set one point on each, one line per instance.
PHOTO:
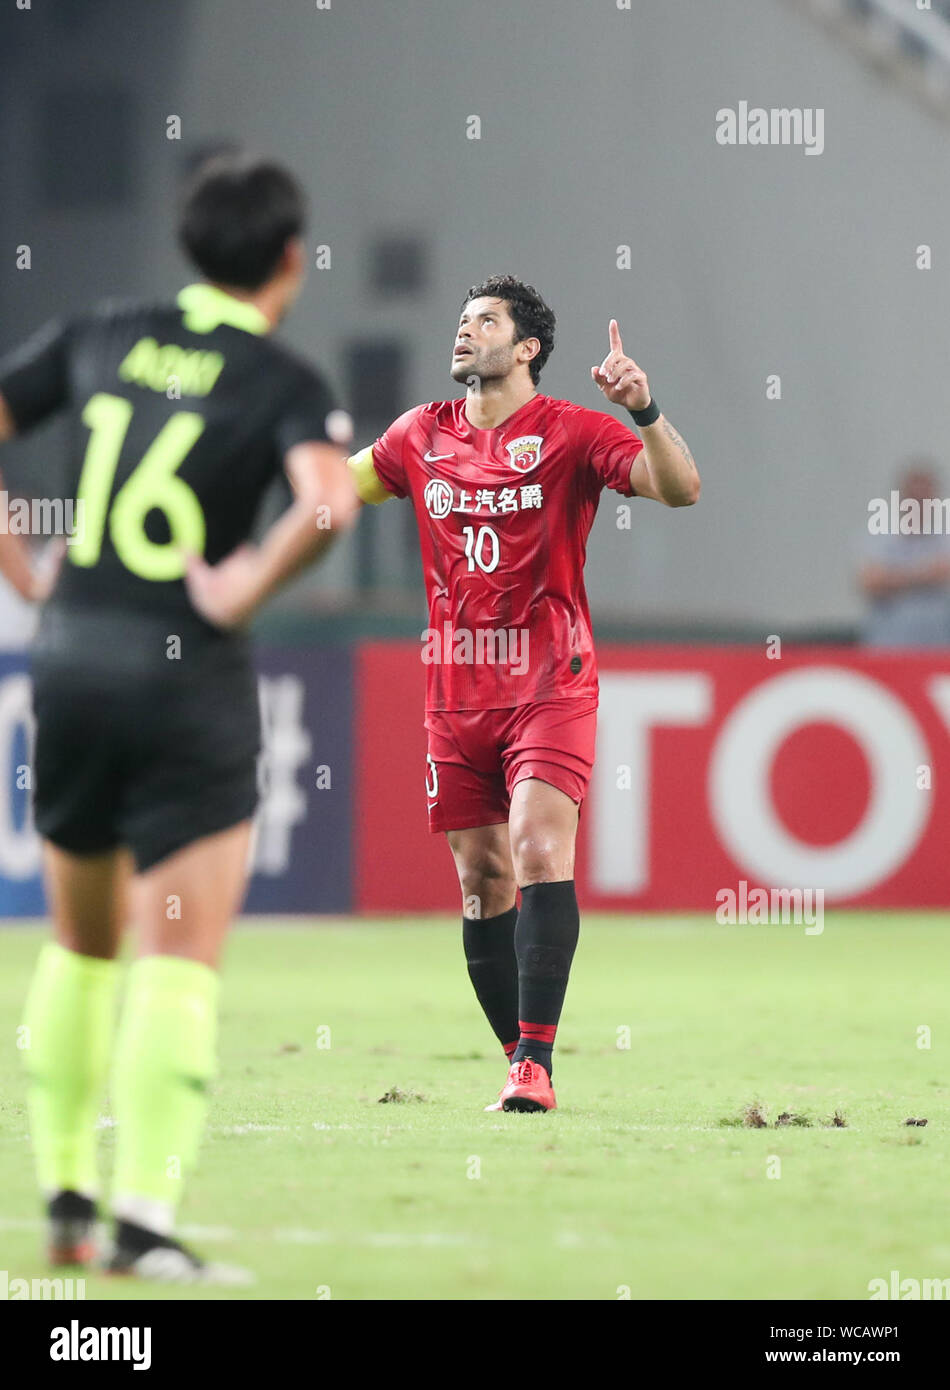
(665, 469)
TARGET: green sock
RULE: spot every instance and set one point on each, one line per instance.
(164, 1060)
(70, 1013)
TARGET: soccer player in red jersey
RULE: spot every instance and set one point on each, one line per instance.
(505, 484)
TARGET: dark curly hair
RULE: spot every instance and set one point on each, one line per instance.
(531, 316)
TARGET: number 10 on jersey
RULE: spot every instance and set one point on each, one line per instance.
(481, 548)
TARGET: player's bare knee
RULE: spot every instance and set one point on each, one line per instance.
(487, 883)
(542, 858)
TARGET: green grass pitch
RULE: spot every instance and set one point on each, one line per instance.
(646, 1182)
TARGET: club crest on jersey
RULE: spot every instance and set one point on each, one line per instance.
(525, 453)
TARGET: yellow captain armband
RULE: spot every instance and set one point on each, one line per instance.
(368, 484)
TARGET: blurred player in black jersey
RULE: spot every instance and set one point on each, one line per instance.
(147, 722)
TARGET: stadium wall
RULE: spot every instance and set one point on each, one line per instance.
(816, 768)
(745, 262)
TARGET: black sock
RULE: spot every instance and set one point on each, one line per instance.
(493, 969)
(545, 941)
(135, 1240)
(68, 1205)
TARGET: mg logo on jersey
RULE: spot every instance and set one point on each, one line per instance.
(438, 498)
(525, 453)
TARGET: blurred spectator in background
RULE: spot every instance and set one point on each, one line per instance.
(17, 620)
(906, 577)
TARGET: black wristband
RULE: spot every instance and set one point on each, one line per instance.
(648, 416)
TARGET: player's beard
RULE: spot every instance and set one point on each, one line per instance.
(484, 367)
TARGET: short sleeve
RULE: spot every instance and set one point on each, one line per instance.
(388, 455)
(609, 447)
(34, 379)
(312, 416)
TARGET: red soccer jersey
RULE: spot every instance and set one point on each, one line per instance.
(503, 519)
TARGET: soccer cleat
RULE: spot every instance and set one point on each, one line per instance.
(143, 1254)
(71, 1238)
(528, 1088)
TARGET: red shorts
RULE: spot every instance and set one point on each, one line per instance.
(477, 756)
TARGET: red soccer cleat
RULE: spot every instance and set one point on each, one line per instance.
(81, 1252)
(528, 1088)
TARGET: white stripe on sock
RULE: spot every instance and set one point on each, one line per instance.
(145, 1211)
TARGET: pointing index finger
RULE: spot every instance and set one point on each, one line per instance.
(614, 331)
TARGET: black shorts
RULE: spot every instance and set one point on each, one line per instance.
(147, 758)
